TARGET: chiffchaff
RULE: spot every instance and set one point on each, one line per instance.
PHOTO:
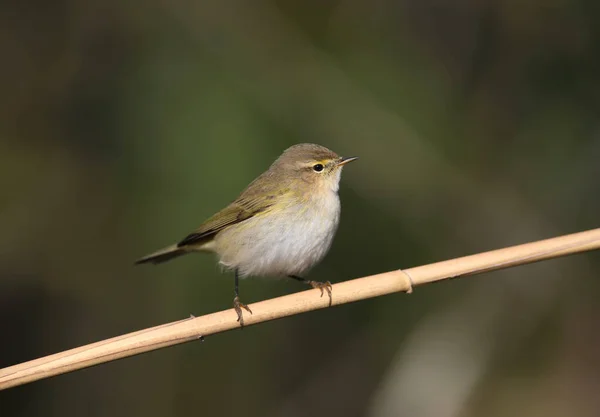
(282, 224)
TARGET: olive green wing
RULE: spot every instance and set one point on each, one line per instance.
(238, 211)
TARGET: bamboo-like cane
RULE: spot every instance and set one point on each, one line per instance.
(345, 292)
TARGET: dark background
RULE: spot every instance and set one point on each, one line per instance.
(123, 125)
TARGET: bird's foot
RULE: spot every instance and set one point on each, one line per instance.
(322, 286)
(237, 305)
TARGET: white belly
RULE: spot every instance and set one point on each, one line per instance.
(280, 245)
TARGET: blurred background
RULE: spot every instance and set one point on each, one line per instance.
(123, 125)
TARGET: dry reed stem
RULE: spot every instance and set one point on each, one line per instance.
(345, 292)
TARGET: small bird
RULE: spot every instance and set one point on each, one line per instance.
(281, 225)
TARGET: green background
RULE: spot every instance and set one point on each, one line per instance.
(123, 125)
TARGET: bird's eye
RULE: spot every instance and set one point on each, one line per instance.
(318, 167)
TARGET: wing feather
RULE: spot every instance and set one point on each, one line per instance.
(254, 200)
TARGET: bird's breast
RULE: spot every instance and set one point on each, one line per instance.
(281, 241)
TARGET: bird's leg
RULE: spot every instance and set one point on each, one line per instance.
(237, 305)
(315, 284)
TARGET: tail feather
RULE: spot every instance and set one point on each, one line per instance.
(162, 255)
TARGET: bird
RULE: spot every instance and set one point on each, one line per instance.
(281, 225)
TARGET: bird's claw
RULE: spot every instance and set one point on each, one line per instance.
(237, 305)
(323, 286)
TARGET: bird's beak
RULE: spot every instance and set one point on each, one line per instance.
(345, 160)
